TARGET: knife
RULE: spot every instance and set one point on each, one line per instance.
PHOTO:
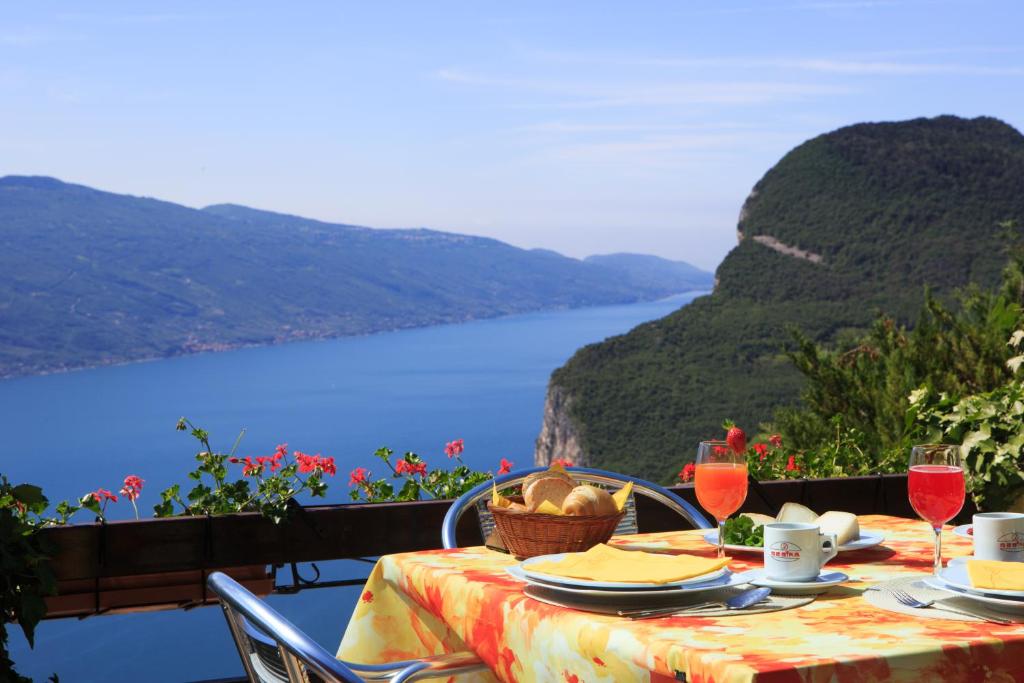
(741, 601)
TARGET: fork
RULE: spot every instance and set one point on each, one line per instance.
(909, 600)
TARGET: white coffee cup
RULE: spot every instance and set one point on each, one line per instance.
(999, 536)
(796, 552)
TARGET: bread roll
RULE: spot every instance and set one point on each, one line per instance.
(558, 473)
(589, 500)
(552, 489)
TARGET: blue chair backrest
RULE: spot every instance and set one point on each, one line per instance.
(480, 495)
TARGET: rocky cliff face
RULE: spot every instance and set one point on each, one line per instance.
(558, 436)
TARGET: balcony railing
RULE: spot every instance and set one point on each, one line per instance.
(163, 563)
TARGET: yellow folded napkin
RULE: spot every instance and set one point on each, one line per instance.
(622, 495)
(1000, 576)
(604, 563)
(498, 500)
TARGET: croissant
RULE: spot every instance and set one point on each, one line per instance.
(589, 500)
(553, 489)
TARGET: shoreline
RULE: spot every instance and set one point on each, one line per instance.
(227, 346)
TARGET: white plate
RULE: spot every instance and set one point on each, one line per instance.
(964, 530)
(955, 574)
(1008, 605)
(867, 539)
(610, 585)
(729, 579)
(820, 584)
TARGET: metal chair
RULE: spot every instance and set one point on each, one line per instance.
(274, 651)
(479, 495)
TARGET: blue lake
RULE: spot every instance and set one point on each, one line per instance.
(411, 390)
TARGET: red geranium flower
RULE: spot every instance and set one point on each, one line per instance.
(411, 468)
(100, 495)
(776, 440)
(506, 467)
(761, 449)
(314, 463)
(791, 465)
(250, 468)
(686, 474)
(132, 487)
(454, 448)
(563, 462)
(357, 476)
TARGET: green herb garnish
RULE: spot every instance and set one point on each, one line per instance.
(741, 531)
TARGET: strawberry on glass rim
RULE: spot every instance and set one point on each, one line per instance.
(735, 437)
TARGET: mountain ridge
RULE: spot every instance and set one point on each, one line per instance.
(90, 277)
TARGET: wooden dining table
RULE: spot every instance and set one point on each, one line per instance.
(433, 602)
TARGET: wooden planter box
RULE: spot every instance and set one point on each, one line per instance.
(163, 563)
(147, 592)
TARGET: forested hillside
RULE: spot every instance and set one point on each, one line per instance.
(846, 225)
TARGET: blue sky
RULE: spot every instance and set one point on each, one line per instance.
(583, 127)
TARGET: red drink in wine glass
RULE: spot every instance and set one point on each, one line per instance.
(936, 488)
(936, 492)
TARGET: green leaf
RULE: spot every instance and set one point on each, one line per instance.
(973, 438)
(29, 494)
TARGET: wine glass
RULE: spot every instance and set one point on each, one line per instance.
(936, 487)
(720, 480)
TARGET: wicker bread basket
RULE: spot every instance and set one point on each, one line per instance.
(528, 534)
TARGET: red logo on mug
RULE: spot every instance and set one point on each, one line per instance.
(1011, 542)
(784, 551)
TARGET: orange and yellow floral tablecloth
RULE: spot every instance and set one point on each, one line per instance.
(417, 604)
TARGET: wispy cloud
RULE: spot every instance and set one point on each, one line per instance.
(581, 95)
(671, 150)
(28, 37)
(575, 128)
(819, 6)
(126, 18)
(826, 65)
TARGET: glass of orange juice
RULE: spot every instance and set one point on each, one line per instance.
(720, 480)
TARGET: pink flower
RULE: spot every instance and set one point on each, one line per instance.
(761, 449)
(686, 474)
(776, 440)
(506, 467)
(357, 477)
(132, 487)
(563, 462)
(454, 448)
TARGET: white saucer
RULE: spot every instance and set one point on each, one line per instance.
(1002, 604)
(964, 530)
(822, 583)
